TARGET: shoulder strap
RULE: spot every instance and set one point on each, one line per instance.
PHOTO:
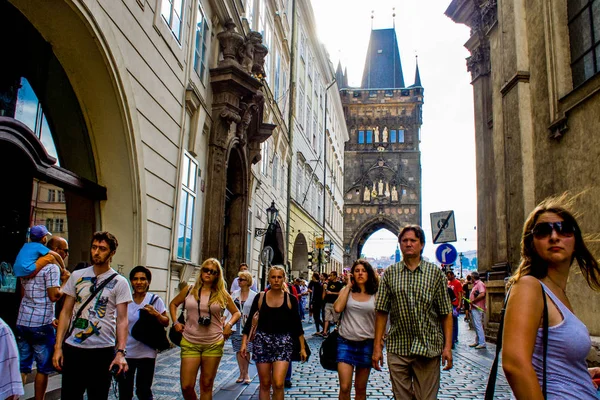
(87, 301)
(289, 302)
(153, 299)
(491, 385)
(261, 296)
(545, 339)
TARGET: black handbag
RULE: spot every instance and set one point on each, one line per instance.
(149, 331)
(296, 351)
(328, 351)
(174, 336)
(491, 385)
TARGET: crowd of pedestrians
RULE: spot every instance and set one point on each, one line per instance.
(411, 310)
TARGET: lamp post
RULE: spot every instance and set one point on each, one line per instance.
(461, 256)
(267, 252)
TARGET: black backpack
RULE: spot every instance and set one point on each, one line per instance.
(451, 294)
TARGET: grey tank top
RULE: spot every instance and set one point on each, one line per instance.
(569, 342)
(358, 319)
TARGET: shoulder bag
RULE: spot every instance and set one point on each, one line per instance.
(87, 301)
(491, 385)
(149, 330)
(329, 347)
(296, 340)
(174, 336)
(254, 327)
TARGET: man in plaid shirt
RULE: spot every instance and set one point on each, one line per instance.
(414, 294)
(35, 333)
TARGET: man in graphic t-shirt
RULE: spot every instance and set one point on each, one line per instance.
(89, 352)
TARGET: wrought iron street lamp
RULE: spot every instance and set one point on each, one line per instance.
(272, 213)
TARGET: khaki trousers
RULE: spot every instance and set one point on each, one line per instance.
(414, 376)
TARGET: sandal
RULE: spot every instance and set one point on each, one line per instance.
(247, 381)
(239, 380)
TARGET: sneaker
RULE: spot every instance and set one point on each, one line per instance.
(287, 384)
(310, 321)
(474, 345)
(317, 334)
(481, 346)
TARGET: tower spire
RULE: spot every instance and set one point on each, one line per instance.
(417, 74)
(394, 17)
(372, 17)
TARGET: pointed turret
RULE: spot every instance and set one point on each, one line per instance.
(345, 77)
(339, 76)
(417, 74)
(383, 69)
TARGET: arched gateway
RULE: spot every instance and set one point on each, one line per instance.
(67, 147)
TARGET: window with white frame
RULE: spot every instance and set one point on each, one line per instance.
(301, 107)
(202, 42)
(276, 77)
(249, 8)
(51, 195)
(275, 171)
(283, 179)
(307, 124)
(187, 206)
(299, 180)
(264, 153)
(172, 13)
(302, 46)
(249, 238)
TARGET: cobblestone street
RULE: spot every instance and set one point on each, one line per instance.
(466, 380)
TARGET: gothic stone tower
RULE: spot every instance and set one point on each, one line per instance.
(382, 159)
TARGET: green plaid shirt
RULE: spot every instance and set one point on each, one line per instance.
(415, 300)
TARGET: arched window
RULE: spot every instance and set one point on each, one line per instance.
(29, 111)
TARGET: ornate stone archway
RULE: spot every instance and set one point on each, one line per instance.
(234, 144)
(353, 245)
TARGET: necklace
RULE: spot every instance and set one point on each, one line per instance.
(556, 284)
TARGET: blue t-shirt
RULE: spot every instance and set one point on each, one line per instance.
(28, 255)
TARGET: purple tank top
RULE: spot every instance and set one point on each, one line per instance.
(569, 342)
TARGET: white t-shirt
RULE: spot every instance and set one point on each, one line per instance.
(10, 378)
(135, 348)
(97, 325)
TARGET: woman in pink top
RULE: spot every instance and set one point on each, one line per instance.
(204, 333)
(551, 242)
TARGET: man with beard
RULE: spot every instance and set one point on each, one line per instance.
(100, 296)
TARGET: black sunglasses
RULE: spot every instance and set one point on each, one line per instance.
(210, 271)
(544, 229)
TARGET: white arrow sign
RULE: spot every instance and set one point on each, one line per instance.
(444, 252)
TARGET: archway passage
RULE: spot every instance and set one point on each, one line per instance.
(300, 255)
(381, 247)
(354, 244)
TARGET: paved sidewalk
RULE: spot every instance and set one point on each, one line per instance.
(467, 380)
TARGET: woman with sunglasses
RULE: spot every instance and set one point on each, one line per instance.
(278, 323)
(243, 298)
(204, 332)
(550, 243)
(357, 329)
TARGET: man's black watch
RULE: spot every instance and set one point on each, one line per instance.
(122, 351)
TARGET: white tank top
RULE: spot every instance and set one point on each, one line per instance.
(358, 319)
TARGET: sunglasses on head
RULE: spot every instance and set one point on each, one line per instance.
(210, 271)
(544, 229)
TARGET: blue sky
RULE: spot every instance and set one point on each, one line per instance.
(447, 134)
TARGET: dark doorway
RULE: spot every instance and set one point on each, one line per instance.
(15, 207)
(235, 218)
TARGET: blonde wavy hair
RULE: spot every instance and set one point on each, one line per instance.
(218, 293)
(532, 264)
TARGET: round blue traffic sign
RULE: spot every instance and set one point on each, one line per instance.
(446, 253)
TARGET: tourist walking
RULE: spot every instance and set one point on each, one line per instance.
(316, 302)
(414, 292)
(141, 358)
(357, 329)
(96, 340)
(456, 287)
(204, 332)
(551, 242)
(277, 327)
(243, 298)
(477, 300)
(331, 291)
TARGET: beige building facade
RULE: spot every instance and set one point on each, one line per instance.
(536, 86)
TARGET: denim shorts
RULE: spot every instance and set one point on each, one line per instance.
(36, 343)
(354, 353)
